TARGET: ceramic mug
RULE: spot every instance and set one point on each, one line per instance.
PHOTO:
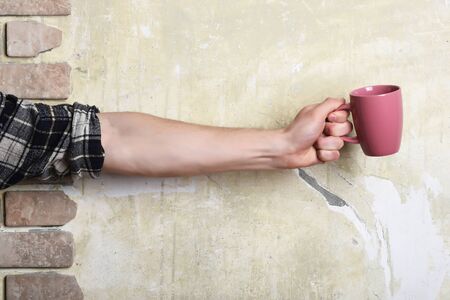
(377, 117)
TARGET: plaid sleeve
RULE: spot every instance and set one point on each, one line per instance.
(47, 141)
(86, 153)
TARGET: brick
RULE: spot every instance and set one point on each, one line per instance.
(36, 249)
(48, 285)
(34, 7)
(36, 81)
(29, 38)
(38, 208)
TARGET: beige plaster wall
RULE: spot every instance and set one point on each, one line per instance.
(264, 234)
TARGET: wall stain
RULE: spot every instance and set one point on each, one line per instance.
(331, 198)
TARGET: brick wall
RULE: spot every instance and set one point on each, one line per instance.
(30, 233)
(46, 245)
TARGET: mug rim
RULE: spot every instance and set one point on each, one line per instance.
(395, 88)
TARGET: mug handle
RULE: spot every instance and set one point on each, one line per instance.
(348, 139)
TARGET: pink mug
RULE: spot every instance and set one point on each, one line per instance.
(378, 119)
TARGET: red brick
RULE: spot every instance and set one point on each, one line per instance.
(34, 7)
(29, 38)
(38, 208)
(36, 81)
(48, 286)
(36, 249)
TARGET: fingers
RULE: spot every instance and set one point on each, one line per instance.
(338, 116)
(338, 129)
(329, 143)
(327, 148)
(327, 155)
(328, 106)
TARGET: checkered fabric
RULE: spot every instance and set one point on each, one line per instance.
(48, 141)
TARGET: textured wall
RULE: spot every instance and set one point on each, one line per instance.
(264, 234)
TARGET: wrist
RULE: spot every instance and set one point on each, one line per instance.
(282, 147)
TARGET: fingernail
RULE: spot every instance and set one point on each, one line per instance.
(332, 118)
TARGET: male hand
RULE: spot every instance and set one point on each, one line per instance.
(314, 135)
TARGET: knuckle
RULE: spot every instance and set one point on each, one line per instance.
(306, 109)
(337, 142)
(334, 99)
(339, 129)
(324, 155)
(328, 99)
(338, 155)
(329, 128)
(320, 154)
(342, 115)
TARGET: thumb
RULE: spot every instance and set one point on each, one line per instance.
(329, 105)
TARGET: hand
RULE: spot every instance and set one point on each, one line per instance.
(313, 136)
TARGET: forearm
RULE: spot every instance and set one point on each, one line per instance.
(143, 144)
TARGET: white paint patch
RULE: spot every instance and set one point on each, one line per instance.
(296, 68)
(405, 241)
(384, 256)
(178, 70)
(417, 253)
(432, 184)
(145, 31)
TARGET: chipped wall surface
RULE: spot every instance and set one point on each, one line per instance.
(360, 228)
